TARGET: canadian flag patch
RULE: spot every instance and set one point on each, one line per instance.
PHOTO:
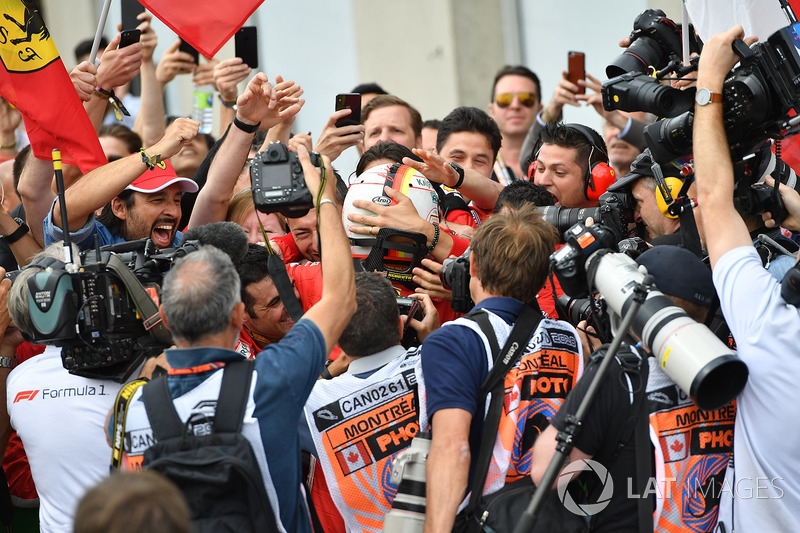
(353, 458)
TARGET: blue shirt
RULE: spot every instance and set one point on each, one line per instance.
(285, 374)
(455, 366)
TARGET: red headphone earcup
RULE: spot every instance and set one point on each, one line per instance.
(602, 177)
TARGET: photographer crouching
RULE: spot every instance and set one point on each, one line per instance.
(765, 478)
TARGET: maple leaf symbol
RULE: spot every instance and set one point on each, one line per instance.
(353, 457)
(676, 446)
(514, 395)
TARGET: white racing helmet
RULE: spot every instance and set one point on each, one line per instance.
(369, 186)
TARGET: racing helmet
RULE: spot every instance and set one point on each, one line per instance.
(369, 186)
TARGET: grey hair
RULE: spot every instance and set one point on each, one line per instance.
(649, 183)
(199, 294)
(18, 302)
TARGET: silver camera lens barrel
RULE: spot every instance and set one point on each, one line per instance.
(698, 362)
(691, 355)
(408, 472)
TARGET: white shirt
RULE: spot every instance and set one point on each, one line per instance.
(762, 493)
(60, 419)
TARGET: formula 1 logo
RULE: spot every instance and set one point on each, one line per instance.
(26, 395)
(25, 43)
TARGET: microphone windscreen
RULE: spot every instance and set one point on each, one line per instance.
(227, 236)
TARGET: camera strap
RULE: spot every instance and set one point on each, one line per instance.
(504, 359)
(690, 237)
(144, 303)
(280, 278)
(119, 418)
(277, 271)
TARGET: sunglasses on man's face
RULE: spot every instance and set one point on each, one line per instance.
(504, 100)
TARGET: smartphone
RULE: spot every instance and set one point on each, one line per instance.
(186, 47)
(351, 101)
(576, 69)
(130, 10)
(129, 37)
(246, 42)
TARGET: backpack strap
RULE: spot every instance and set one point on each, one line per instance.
(233, 395)
(481, 317)
(638, 427)
(504, 359)
(229, 413)
(161, 411)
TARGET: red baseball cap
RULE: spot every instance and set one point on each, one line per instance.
(160, 178)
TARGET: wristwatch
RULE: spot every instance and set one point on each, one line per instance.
(704, 96)
(7, 362)
(326, 374)
(17, 234)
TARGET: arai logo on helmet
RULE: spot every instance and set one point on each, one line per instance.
(382, 200)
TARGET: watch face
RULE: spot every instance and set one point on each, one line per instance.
(703, 96)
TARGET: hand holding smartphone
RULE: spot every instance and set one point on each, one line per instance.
(246, 42)
(186, 47)
(576, 69)
(351, 101)
(128, 37)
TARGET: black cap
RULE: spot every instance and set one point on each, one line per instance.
(642, 166)
(678, 272)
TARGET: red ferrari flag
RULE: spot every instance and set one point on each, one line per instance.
(33, 79)
(205, 24)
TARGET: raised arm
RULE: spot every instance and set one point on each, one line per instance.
(24, 247)
(10, 118)
(227, 76)
(36, 194)
(332, 312)
(723, 227)
(149, 123)
(260, 103)
(98, 187)
(117, 67)
(481, 190)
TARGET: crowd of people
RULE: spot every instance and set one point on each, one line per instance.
(444, 216)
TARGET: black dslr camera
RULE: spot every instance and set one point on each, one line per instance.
(455, 276)
(655, 41)
(411, 308)
(276, 177)
(758, 94)
(615, 212)
(568, 262)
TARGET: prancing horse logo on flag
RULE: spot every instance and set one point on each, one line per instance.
(20, 49)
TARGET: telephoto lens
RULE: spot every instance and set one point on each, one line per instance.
(408, 473)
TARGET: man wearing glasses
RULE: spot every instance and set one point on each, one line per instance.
(514, 106)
